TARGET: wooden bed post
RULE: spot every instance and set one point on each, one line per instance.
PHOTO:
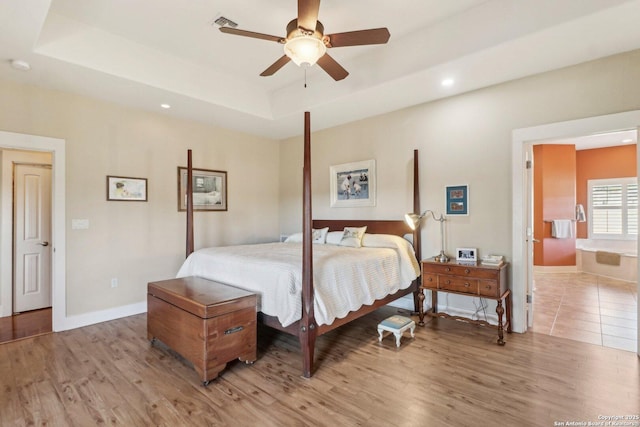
(417, 243)
(308, 328)
(189, 204)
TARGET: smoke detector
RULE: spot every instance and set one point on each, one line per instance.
(21, 65)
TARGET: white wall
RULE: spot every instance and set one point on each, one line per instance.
(141, 241)
(465, 139)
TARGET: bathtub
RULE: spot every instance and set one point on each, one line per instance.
(588, 261)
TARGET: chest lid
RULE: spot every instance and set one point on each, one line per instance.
(202, 297)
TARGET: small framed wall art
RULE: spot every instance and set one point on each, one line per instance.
(353, 184)
(209, 190)
(125, 189)
(457, 197)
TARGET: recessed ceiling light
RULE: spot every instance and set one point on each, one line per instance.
(447, 82)
(165, 106)
(21, 65)
(626, 141)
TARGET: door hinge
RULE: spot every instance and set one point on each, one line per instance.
(528, 164)
(529, 299)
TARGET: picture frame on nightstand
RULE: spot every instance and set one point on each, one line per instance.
(467, 255)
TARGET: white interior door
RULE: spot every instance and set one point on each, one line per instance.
(32, 237)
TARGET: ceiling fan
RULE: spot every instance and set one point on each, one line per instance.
(306, 43)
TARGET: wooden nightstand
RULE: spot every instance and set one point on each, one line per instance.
(471, 280)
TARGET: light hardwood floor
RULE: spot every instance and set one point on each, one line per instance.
(451, 374)
(588, 308)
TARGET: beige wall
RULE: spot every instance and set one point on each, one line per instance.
(465, 139)
(462, 140)
(135, 241)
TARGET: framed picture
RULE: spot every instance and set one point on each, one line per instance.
(209, 190)
(457, 200)
(467, 255)
(353, 184)
(120, 188)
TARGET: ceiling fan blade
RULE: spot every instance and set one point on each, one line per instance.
(236, 32)
(332, 68)
(358, 38)
(276, 66)
(308, 14)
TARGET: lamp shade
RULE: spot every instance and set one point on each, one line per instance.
(305, 50)
(412, 220)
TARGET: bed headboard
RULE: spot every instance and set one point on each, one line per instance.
(396, 227)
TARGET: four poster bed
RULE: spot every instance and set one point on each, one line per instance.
(308, 324)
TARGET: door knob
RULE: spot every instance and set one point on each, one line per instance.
(43, 243)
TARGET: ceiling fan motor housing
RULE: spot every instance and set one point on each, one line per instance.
(293, 30)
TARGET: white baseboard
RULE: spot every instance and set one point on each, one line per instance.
(406, 303)
(492, 318)
(86, 319)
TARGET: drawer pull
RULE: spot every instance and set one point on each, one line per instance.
(466, 285)
(489, 287)
(448, 282)
(233, 330)
(467, 271)
(447, 269)
(430, 279)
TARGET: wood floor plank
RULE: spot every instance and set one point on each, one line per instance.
(451, 374)
(10, 407)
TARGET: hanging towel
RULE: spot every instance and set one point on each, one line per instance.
(562, 228)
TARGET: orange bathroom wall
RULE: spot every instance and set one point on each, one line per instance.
(554, 198)
(601, 163)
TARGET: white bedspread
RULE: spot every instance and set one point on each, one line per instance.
(344, 278)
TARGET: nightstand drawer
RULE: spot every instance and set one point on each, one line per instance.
(458, 284)
(489, 288)
(430, 281)
(479, 272)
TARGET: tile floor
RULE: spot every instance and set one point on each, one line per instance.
(588, 308)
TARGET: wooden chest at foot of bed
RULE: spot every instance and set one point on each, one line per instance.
(206, 322)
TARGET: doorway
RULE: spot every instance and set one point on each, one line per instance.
(521, 234)
(26, 193)
(578, 295)
(12, 145)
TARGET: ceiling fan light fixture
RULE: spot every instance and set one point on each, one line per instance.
(304, 50)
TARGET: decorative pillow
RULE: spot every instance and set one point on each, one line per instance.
(352, 236)
(317, 236)
(334, 237)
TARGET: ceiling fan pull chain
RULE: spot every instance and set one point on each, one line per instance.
(305, 77)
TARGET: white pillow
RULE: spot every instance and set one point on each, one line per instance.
(334, 237)
(352, 236)
(381, 241)
(317, 236)
(294, 238)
